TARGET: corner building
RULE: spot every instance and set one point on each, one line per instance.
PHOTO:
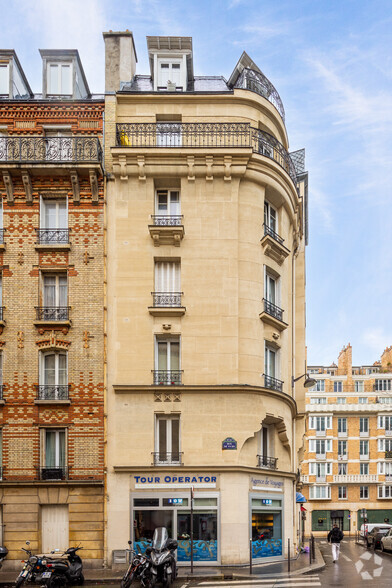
(206, 223)
(51, 312)
(347, 467)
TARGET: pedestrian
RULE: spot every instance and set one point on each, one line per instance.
(334, 537)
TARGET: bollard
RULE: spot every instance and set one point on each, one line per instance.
(310, 550)
(250, 556)
(288, 555)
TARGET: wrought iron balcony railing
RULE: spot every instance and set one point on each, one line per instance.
(167, 377)
(53, 473)
(1, 313)
(205, 136)
(273, 310)
(167, 458)
(50, 150)
(2, 236)
(52, 313)
(1, 472)
(48, 392)
(52, 236)
(166, 299)
(1, 391)
(256, 82)
(267, 462)
(271, 233)
(163, 220)
(388, 454)
(273, 383)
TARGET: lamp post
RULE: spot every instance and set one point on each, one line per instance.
(308, 383)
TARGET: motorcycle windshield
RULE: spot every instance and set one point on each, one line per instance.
(159, 539)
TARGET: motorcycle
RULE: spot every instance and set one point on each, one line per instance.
(163, 561)
(139, 569)
(34, 570)
(3, 555)
(66, 571)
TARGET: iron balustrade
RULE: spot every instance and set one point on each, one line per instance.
(256, 82)
(52, 236)
(267, 462)
(167, 458)
(48, 392)
(167, 377)
(1, 472)
(388, 454)
(1, 236)
(166, 299)
(273, 310)
(2, 313)
(273, 383)
(1, 391)
(54, 473)
(204, 136)
(52, 313)
(161, 220)
(50, 149)
(271, 233)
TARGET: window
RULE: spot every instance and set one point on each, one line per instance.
(342, 425)
(167, 203)
(385, 400)
(342, 492)
(358, 385)
(383, 385)
(342, 469)
(53, 376)
(319, 492)
(315, 400)
(342, 448)
(59, 79)
(271, 289)
(364, 425)
(338, 386)
(320, 446)
(385, 491)
(270, 218)
(266, 457)
(320, 423)
(1, 460)
(59, 145)
(320, 386)
(1, 297)
(271, 368)
(167, 361)
(364, 469)
(341, 400)
(169, 134)
(320, 469)
(167, 440)
(385, 444)
(385, 422)
(54, 298)
(362, 400)
(53, 454)
(4, 79)
(167, 279)
(364, 492)
(169, 71)
(364, 448)
(53, 221)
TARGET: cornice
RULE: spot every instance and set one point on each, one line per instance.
(219, 469)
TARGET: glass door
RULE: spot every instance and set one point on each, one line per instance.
(144, 524)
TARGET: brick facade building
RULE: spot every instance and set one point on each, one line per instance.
(51, 342)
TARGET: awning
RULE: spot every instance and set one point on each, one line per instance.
(300, 497)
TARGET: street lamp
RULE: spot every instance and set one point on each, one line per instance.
(309, 382)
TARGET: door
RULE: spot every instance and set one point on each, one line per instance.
(337, 521)
(54, 527)
(144, 524)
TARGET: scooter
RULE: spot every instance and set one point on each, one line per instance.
(3, 555)
(163, 562)
(66, 571)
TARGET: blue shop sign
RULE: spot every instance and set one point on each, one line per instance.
(229, 443)
(177, 501)
(266, 501)
(186, 480)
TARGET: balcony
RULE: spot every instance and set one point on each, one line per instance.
(52, 239)
(52, 393)
(1, 393)
(269, 463)
(167, 377)
(166, 304)
(388, 454)
(166, 229)
(164, 458)
(321, 433)
(355, 478)
(46, 315)
(2, 308)
(71, 151)
(273, 383)
(364, 457)
(388, 433)
(321, 479)
(2, 245)
(197, 135)
(255, 81)
(364, 433)
(273, 315)
(342, 434)
(53, 473)
(273, 246)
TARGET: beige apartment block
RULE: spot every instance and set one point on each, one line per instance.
(206, 234)
(347, 467)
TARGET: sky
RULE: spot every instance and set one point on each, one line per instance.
(331, 62)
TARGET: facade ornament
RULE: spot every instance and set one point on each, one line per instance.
(20, 257)
(209, 164)
(94, 186)
(26, 179)
(75, 186)
(9, 187)
(20, 337)
(191, 168)
(141, 163)
(227, 161)
(87, 258)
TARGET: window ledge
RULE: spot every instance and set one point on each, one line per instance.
(273, 249)
(167, 310)
(52, 401)
(53, 246)
(273, 321)
(54, 323)
(167, 235)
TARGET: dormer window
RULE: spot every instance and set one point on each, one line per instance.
(60, 79)
(169, 75)
(63, 74)
(4, 79)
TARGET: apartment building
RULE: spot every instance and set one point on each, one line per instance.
(347, 467)
(51, 311)
(206, 232)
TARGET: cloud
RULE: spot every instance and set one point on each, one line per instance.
(376, 339)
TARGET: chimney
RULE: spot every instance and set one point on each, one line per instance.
(345, 361)
(386, 359)
(120, 59)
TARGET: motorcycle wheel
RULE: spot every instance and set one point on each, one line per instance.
(127, 580)
(80, 580)
(57, 581)
(19, 582)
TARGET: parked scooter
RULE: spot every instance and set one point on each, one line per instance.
(66, 571)
(163, 561)
(3, 555)
(34, 570)
(139, 569)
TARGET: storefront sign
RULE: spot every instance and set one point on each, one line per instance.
(266, 501)
(177, 501)
(270, 484)
(175, 481)
(229, 443)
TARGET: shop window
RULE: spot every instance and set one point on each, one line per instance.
(266, 530)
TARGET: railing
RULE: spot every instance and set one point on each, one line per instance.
(1, 391)
(321, 479)
(47, 392)
(1, 472)
(164, 220)
(355, 478)
(2, 236)
(50, 149)
(273, 310)
(271, 233)
(321, 433)
(166, 299)
(52, 236)
(2, 313)
(388, 433)
(388, 477)
(272, 383)
(205, 136)
(52, 313)
(167, 377)
(388, 454)
(256, 82)
(304, 478)
(167, 458)
(321, 456)
(54, 473)
(267, 462)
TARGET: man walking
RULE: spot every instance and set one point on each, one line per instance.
(334, 537)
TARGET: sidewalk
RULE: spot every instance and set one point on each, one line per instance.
(297, 567)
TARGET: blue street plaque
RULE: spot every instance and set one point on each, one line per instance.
(229, 443)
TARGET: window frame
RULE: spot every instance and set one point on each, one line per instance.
(42, 220)
(268, 207)
(60, 65)
(43, 456)
(169, 204)
(49, 352)
(168, 418)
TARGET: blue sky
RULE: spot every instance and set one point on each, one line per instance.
(331, 62)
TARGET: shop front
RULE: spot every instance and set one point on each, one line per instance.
(266, 518)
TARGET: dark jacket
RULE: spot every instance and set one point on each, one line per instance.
(335, 535)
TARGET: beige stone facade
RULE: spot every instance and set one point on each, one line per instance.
(206, 221)
(347, 463)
